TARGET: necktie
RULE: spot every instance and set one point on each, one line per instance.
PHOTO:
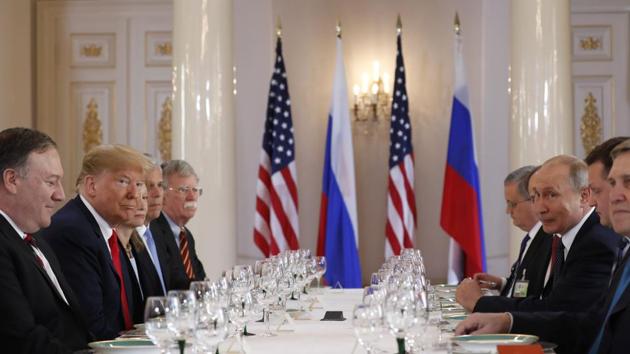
(183, 251)
(558, 259)
(517, 264)
(148, 236)
(624, 280)
(622, 246)
(115, 250)
(31, 242)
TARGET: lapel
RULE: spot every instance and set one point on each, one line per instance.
(624, 301)
(97, 232)
(28, 253)
(592, 220)
(161, 235)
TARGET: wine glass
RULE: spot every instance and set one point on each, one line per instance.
(321, 269)
(155, 323)
(181, 319)
(239, 313)
(400, 314)
(212, 327)
(367, 321)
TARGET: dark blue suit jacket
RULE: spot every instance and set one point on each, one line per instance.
(35, 318)
(170, 258)
(585, 275)
(75, 237)
(574, 332)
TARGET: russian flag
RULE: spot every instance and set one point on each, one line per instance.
(461, 202)
(338, 233)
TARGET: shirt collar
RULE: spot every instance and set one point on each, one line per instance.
(569, 236)
(534, 231)
(106, 229)
(174, 227)
(142, 229)
(13, 225)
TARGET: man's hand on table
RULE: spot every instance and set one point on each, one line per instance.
(485, 323)
(467, 293)
(488, 281)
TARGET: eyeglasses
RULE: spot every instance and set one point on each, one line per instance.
(511, 205)
(185, 189)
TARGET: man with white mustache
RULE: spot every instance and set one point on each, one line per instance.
(169, 229)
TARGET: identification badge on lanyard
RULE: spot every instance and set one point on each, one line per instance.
(520, 287)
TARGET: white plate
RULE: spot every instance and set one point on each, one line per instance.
(489, 342)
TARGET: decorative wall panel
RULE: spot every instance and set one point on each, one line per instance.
(93, 49)
(592, 43)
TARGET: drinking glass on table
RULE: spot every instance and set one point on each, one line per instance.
(240, 312)
(400, 314)
(155, 323)
(212, 327)
(367, 322)
(321, 269)
(181, 319)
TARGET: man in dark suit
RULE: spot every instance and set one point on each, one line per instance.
(169, 269)
(40, 313)
(585, 251)
(605, 326)
(169, 229)
(83, 235)
(599, 163)
(527, 276)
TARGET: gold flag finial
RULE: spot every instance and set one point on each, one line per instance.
(458, 27)
(338, 29)
(398, 25)
(279, 28)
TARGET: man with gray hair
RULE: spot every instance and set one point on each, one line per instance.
(527, 275)
(582, 253)
(169, 229)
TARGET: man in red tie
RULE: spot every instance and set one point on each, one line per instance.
(585, 251)
(83, 235)
(182, 192)
(40, 313)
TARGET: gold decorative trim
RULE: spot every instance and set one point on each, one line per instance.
(591, 126)
(591, 43)
(165, 129)
(92, 131)
(164, 49)
(91, 50)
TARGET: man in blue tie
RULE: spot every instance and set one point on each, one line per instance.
(603, 328)
(527, 275)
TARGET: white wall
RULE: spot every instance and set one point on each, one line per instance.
(16, 65)
(369, 34)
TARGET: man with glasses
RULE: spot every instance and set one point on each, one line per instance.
(169, 229)
(583, 251)
(527, 276)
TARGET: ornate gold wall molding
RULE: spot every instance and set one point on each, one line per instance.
(590, 43)
(92, 131)
(91, 50)
(165, 130)
(591, 125)
(165, 48)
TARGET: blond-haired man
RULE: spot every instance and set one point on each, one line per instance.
(83, 235)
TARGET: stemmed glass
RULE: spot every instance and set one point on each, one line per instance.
(181, 319)
(239, 312)
(400, 314)
(367, 321)
(321, 269)
(155, 323)
(212, 327)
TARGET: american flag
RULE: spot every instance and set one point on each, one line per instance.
(401, 201)
(276, 221)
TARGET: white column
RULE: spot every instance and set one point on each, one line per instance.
(542, 117)
(203, 122)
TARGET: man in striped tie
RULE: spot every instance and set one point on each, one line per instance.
(181, 194)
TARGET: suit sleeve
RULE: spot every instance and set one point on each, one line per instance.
(585, 280)
(18, 326)
(79, 262)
